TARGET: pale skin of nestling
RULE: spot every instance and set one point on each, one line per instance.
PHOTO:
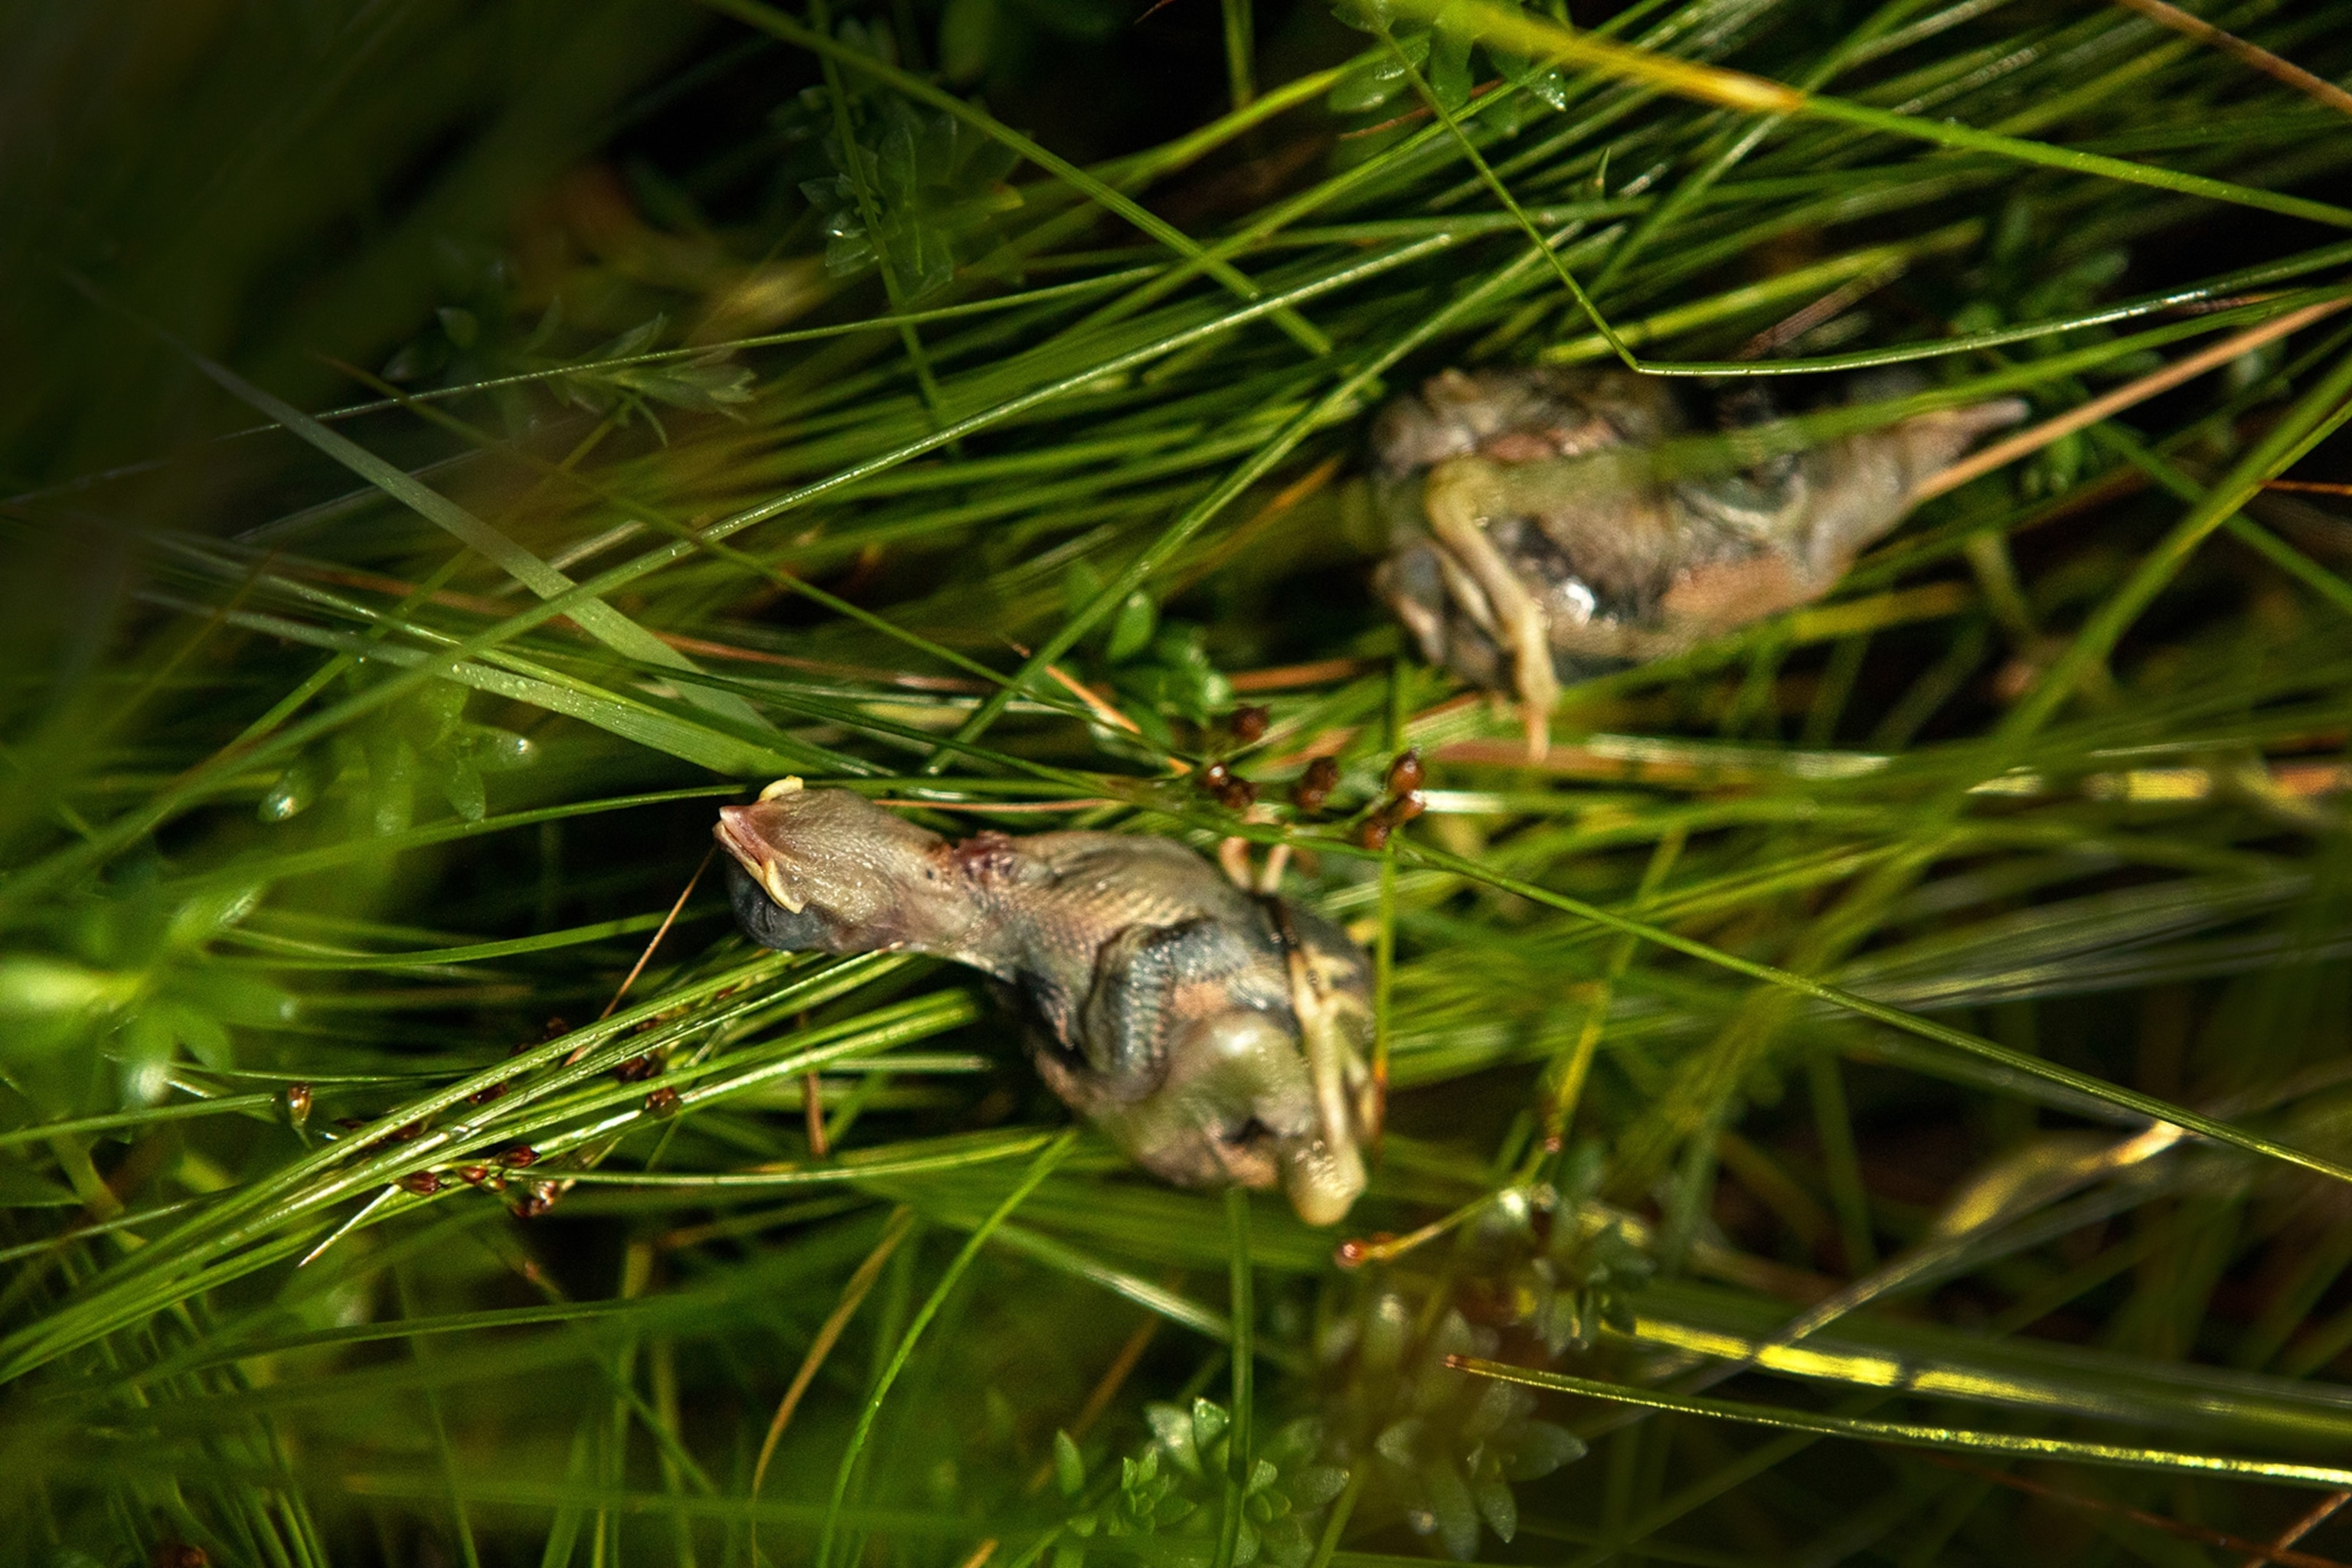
(1534, 542)
(1215, 1035)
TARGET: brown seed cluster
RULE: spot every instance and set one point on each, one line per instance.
(1404, 802)
(1315, 786)
(1245, 726)
(1226, 787)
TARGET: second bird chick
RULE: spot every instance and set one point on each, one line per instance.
(1522, 554)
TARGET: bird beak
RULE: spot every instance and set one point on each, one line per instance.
(738, 833)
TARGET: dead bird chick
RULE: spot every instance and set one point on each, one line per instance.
(1216, 1036)
(1520, 555)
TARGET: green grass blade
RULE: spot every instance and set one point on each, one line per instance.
(1948, 1439)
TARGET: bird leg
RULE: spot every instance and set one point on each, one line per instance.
(1459, 497)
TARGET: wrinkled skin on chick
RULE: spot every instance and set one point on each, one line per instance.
(1216, 1036)
(1522, 554)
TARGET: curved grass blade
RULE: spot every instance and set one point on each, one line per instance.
(1039, 1169)
(288, 952)
(1949, 1438)
(2318, 414)
(1198, 516)
(2016, 1061)
(128, 1118)
(192, 786)
(592, 616)
(1538, 38)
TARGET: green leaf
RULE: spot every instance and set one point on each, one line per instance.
(1451, 1505)
(1536, 1448)
(299, 787)
(1209, 1421)
(1173, 1429)
(1373, 82)
(494, 751)
(1131, 628)
(201, 1033)
(1449, 68)
(1081, 586)
(211, 912)
(1498, 1508)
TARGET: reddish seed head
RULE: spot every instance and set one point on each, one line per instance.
(1405, 773)
(1249, 724)
(178, 1554)
(473, 1176)
(1239, 794)
(1350, 1254)
(1405, 807)
(406, 1131)
(423, 1183)
(662, 1101)
(1214, 777)
(1374, 833)
(637, 1070)
(536, 1201)
(554, 1026)
(1316, 785)
(298, 1103)
(484, 1096)
(516, 1158)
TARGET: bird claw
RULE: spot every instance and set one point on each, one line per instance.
(1460, 495)
(1539, 685)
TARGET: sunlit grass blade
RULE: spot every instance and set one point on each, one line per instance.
(1951, 1438)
